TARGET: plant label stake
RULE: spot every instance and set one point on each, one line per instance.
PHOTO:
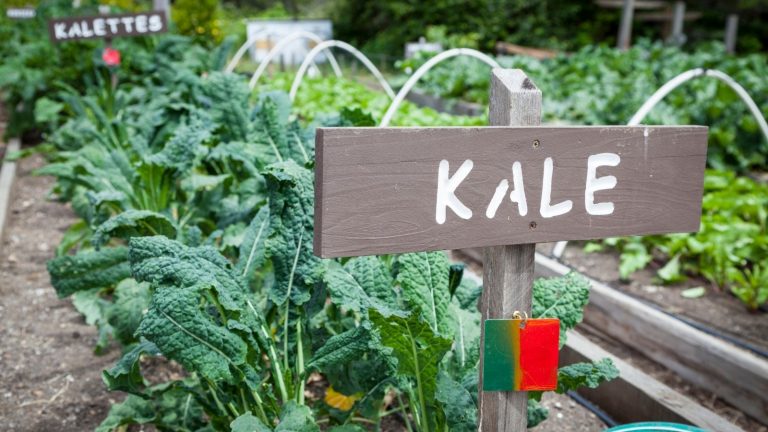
(504, 188)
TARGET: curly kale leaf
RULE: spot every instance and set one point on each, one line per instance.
(457, 403)
(134, 223)
(362, 283)
(591, 375)
(252, 249)
(126, 374)
(341, 348)
(185, 331)
(417, 348)
(129, 302)
(423, 277)
(186, 148)
(563, 298)
(536, 413)
(280, 139)
(289, 246)
(169, 407)
(87, 270)
(163, 262)
(227, 99)
(247, 422)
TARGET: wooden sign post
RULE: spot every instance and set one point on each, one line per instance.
(504, 188)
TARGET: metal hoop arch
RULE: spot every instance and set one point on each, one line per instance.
(421, 71)
(347, 47)
(281, 45)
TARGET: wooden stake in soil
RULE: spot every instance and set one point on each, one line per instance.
(507, 270)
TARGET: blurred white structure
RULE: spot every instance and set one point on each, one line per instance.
(411, 48)
(267, 33)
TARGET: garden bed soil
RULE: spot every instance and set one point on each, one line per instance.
(50, 379)
(715, 309)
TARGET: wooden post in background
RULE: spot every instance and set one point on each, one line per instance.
(507, 270)
(625, 29)
(165, 6)
(731, 30)
(678, 18)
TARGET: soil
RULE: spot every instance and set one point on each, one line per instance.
(50, 379)
(715, 309)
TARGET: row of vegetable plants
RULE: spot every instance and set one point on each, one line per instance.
(193, 247)
(601, 85)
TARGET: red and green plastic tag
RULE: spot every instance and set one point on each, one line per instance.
(520, 355)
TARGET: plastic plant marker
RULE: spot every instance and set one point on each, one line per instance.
(521, 355)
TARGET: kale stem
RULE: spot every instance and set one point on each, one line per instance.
(424, 422)
(405, 414)
(286, 329)
(260, 407)
(272, 354)
(300, 364)
(232, 408)
(212, 390)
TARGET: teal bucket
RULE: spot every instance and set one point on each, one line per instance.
(655, 427)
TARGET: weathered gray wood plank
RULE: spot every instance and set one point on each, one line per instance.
(7, 178)
(636, 396)
(389, 176)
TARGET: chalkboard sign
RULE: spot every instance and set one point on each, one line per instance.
(107, 26)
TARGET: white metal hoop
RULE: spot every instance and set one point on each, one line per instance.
(281, 45)
(424, 69)
(347, 47)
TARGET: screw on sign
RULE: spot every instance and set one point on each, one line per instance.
(504, 188)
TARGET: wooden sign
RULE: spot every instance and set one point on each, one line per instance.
(107, 26)
(20, 13)
(393, 190)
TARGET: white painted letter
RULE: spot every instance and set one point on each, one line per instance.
(517, 195)
(128, 23)
(60, 30)
(87, 30)
(595, 184)
(98, 27)
(75, 31)
(141, 23)
(155, 23)
(446, 186)
(112, 23)
(501, 190)
(547, 210)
